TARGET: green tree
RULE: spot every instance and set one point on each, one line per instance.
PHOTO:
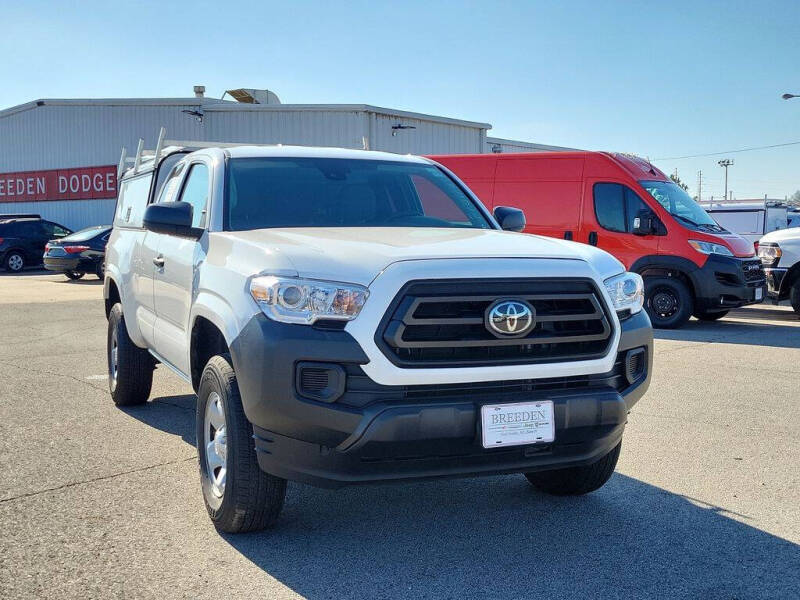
(676, 179)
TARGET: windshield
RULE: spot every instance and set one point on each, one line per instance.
(675, 200)
(325, 192)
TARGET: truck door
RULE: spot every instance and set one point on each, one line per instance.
(609, 211)
(175, 264)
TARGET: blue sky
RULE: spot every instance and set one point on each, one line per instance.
(657, 79)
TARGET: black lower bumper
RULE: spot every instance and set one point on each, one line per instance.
(380, 433)
(726, 282)
(774, 280)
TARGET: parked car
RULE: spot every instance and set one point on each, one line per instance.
(78, 253)
(23, 238)
(779, 252)
(349, 317)
(751, 220)
(623, 204)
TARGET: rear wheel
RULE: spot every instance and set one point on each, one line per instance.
(100, 270)
(794, 296)
(575, 481)
(239, 496)
(15, 261)
(74, 275)
(130, 368)
(668, 302)
(705, 315)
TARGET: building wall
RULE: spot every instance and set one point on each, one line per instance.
(59, 134)
(493, 144)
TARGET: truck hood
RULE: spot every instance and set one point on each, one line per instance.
(792, 234)
(359, 254)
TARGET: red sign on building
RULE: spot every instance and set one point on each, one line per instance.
(59, 184)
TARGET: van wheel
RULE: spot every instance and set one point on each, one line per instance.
(239, 496)
(130, 368)
(668, 302)
(15, 261)
(705, 315)
(576, 481)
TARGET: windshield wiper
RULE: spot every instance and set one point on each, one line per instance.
(688, 220)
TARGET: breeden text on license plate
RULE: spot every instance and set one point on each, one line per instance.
(515, 424)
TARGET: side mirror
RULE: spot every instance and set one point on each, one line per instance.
(644, 223)
(509, 219)
(172, 218)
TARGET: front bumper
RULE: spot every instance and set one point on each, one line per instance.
(774, 277)
(381, 433)
(726, 282)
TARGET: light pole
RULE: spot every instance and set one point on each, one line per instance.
(726, 162)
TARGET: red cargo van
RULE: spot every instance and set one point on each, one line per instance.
(624, 205)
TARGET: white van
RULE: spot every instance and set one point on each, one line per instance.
(751, 220)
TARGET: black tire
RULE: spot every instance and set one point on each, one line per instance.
(100, 270)
(576, 481)
(74, 275)
(705, 315)
(131, 377)
(15, 261)
(249, 499)
(668, 302)
(794, 296)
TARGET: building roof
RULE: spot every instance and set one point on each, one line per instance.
(214, 104)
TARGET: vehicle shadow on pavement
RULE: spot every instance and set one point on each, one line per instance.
(496, 537)
(750, 330)
(170, 414)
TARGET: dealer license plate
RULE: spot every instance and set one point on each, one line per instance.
(759, 293)
(515, 424)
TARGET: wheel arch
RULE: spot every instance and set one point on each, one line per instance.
(792, 276)
(667, 266)
(213, 328)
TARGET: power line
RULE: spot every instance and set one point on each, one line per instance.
(728, 151)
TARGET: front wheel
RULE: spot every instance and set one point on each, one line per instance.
(794, 296)
(705, 315)
(74, 275)
(668, 302)
(576, 481)
(239, 496)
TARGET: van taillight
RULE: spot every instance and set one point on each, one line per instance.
(75, 249)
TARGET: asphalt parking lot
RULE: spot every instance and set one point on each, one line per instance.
(99, 502)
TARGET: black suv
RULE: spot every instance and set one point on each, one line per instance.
(23, 238)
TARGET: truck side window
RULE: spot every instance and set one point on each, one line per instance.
(195, 192)
(616, 206)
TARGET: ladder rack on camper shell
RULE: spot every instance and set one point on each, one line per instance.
(149, 159)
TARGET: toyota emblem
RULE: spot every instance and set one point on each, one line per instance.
(510, 318)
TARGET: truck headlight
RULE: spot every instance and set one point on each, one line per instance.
(627, 292)
(710, 248)
(770, 254)
(303, 301)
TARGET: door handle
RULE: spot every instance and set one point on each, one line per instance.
(159, 262)
(593, 238)
(567, 235)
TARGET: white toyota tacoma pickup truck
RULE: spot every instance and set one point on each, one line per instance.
(350, 317)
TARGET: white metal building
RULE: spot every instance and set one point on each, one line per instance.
(56, 155)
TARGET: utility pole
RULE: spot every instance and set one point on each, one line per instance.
(699, 186)
(726, 162)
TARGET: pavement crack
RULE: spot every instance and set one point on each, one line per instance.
(96, 479)
(51, 373)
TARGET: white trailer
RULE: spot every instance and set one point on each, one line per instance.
(750, 219)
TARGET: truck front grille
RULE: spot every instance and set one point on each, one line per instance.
(444, 323)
